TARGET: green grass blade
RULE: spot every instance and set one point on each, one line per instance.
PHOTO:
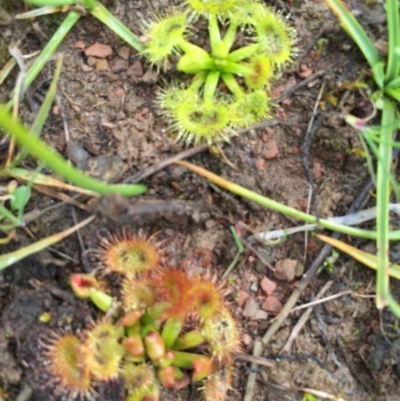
(42, 152)
(357, 33)
(393, 24)
(382, 203)
(361, 256)
(54, 3)
(5, 213)
(7, 69)
(41, 117)
(10, 258)
(279, 207)
(51, 46)
(394, 93)
(375, 149)
(102, 14)
(395, 83)
(38, 12)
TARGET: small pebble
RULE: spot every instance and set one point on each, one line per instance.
(99, 50)
(271, 150)
(102, 65)
(250, 308)
(285, 270)
(260, 315)
(241, 297)
(124, 52)
(267, 285)
(272, 305)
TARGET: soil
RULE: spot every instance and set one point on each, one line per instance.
(347, 348)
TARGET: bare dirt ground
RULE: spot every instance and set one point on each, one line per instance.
(346, 347)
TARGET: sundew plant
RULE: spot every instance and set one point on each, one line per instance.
(162, 327)
(229, 88)
(247, 45)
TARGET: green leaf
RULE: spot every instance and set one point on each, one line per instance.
(363, 257)
(279, 207)
(51, 47)
(8, 259)
(378, 73)
(394, 93)
(393, 24)
(103, 15)
(356, 31)
(42, 114)
(54, 3)
(20, 198)
(382, 202)
(395, 83)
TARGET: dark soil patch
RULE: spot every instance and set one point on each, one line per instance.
(346, 348)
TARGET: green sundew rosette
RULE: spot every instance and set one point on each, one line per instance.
(274, 38)
(193, 118)
(247, 14)
(262, 72)
(139, 380)
(201, 121)
(164, 37)
(173, 97)
(250, 109)
(213, 6)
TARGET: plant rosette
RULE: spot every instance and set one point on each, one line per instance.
(229, 88)
(162, 326)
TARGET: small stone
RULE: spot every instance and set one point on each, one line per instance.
(150, 77)
(306, 71)
(210, 224)
(251, 277)
(99, 50)
(101, 65)
(136, 69)
(299, 269)
(272, 305)
(267, 285)
(124, 52)
(119, 92)
(260, 315)
(317, 170)
(79, 45)
(285, 270)
(257, 149)
(241, 297)
(91, 61)
(250, 308)
(260, 164)
(86, 68)
(271, 150)
(246, 339)
(120, 65)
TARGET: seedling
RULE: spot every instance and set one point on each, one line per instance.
(169, 325)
